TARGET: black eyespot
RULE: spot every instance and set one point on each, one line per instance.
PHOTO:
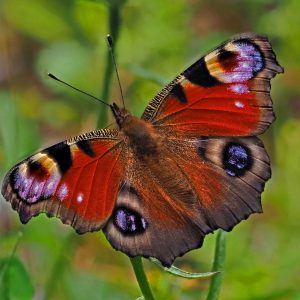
(129, 222)
(236, 159)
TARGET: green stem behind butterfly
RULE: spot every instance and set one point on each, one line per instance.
(218, 265)
(114, 22)
(140, 275)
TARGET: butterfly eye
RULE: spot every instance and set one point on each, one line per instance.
(129, 222)
(236, 159)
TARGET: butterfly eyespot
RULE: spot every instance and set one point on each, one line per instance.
(240, 61)
(236, 159)
(129, 222)
(32, 182)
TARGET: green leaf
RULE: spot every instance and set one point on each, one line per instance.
(178, 272)
(15, 283)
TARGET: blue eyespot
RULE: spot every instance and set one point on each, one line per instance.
(129, 221)
(236, 159)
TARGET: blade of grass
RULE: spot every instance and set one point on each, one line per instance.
(218, 266)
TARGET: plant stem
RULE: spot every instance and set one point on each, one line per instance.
(114, 22)
(141, 277)
(218, 265)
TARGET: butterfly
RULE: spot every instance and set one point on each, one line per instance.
(158, 184)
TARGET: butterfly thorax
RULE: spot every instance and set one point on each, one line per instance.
(142, 137)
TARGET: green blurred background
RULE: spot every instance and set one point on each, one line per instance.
(157, 40)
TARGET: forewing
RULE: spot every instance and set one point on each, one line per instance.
(76, 180)
(225, 93)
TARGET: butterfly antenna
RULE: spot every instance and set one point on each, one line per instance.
(110, 46)
(71, 86)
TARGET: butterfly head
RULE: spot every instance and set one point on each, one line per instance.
(120, 114)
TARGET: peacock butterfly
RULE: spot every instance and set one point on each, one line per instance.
(157, 185)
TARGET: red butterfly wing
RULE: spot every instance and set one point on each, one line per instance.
(76, 180)
(225, 93)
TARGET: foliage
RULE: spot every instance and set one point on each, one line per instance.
(15, 282)
(157, 40)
